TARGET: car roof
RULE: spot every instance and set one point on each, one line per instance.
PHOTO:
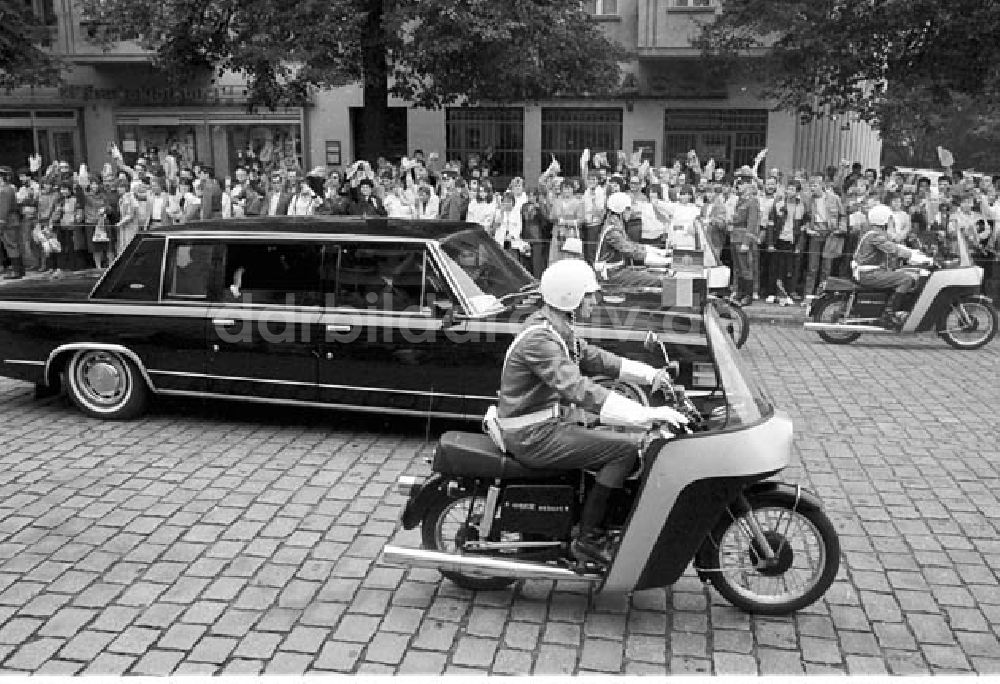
(333, 225)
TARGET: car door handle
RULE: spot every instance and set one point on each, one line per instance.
(223, 321)
(338, 328)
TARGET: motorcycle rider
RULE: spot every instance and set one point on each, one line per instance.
(876, 257)
(616, 252)
(543, 389)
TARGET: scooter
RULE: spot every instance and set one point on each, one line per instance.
(701, 496)
(947, 300)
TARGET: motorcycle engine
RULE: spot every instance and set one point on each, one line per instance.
(538, 509)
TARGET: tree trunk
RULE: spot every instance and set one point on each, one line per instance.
(376, 85)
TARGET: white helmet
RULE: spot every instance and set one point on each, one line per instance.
(565, 283)
(879, 215)
(619, 202)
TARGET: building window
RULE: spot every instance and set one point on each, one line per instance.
(488, 137)
(732, 137)
(568, 132)
(693, 4)
(601, 7)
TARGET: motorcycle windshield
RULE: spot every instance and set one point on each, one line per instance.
(746, 401)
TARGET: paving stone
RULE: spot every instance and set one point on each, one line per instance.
(109, 664)
(181, 637)
(555, 660)
(422, 663)
(288, 664)
(734, 664)
(212, 649)
(257, 645)
(778, 662)
(86, 645)
(435, 635)
(134, 641)
(339, 656)
(157, 663)
(31, 656)
(387, 648)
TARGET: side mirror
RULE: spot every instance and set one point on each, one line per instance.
(445, 309)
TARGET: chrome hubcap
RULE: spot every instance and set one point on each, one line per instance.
(102, 379)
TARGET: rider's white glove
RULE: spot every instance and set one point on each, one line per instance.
(655, 257)
(920, 259)
(665, 414)
(623, 412)
(635, 371)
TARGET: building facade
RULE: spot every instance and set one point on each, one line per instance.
(667, 106)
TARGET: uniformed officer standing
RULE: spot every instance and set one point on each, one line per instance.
(542, 382)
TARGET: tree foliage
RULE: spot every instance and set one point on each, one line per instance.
(22, 61)
(873, 57)
(430, 52)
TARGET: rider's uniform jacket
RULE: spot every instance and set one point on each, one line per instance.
(543, 369)
(877, 249)
(614, 248)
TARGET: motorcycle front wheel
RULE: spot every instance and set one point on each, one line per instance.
(446, 527)
(968, 324)
(806, 557)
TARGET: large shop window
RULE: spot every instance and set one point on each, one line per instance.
(156, 142)
(567, 132)
(493, 135)
(732, 137)
(268, 146)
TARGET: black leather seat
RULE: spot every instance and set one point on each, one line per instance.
(840, 285)
(473, 455)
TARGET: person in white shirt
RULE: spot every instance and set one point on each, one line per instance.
(304, 202)
(484, 208)
(594, 206)
(427, 203)
(683, 232)
(398, 203)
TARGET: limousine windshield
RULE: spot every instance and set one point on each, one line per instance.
(482, 270)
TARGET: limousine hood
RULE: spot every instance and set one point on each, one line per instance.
(74, 287)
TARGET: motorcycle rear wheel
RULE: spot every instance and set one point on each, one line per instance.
(834, 311)
(981, 318)
(802, 572)
(444, 528)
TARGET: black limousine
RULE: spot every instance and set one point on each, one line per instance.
(394, 316)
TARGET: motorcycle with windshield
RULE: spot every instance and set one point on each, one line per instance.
(948, 300)
(701, 496)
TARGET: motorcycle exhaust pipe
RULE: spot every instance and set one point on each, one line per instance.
(838, 327)
(480, 565)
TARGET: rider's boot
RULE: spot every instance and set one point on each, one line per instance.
(890, 318)
(591, 545)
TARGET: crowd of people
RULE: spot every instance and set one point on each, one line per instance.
(782, 233)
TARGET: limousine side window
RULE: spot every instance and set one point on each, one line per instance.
(190, 266)
(386, 277)
(283, 273)
(136, 275)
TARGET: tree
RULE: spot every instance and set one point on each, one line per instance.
(430, 52)
(894, 62)
(22, 61)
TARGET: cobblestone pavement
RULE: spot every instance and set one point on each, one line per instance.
(217, 538)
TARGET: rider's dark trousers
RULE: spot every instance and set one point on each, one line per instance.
(568, 446)
(884, 279)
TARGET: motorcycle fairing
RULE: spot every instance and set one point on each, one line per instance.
(746, 454)
(941, 288)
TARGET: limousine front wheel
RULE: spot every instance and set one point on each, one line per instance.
(105, 384)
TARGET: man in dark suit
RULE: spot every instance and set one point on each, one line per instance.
(10, 224)
(368, 204)
(454, 197)
(276, 199)
(211, 194)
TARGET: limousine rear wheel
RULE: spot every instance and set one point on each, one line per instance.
(105, 384)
